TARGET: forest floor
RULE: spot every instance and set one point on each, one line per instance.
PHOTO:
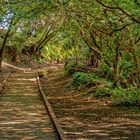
(88, 118)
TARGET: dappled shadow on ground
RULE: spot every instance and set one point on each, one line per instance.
(22, 113)
(84, 118)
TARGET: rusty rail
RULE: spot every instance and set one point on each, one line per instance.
(50, 111)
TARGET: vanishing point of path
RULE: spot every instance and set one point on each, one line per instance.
(22, 112)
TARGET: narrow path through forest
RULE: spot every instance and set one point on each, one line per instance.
(22, 112)
(23, 115)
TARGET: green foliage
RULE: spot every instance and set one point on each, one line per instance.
(130, 94)
(126, 98)
(68, 67)
(123, 97)
(81, 79)
(102, 92)
(125, 68)
(72, 29)
(105, 71)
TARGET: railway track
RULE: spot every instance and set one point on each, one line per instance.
(25, 113)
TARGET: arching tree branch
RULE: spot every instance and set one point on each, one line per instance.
(120, 29)
(119, 8)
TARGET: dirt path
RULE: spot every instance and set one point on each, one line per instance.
(22, 113)
(84, 118)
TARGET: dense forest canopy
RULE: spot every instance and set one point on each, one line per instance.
(103, 34)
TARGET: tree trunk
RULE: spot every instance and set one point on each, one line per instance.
(92, 60)
(4, 44)
(115, 65)
(58, 60)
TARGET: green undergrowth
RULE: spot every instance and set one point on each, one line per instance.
(98, 87)
(81, 80)
(68, 67)
(126, 98)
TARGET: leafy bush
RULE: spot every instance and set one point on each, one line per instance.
(130, 94)
(81, 79)
(68, 67)
(71, 68)
(105, 71)
(125, 68)
(102, 92)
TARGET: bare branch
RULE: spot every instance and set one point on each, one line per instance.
(120, 29)
(137, 40)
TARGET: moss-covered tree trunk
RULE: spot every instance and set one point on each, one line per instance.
(2, 48)
(115, 65)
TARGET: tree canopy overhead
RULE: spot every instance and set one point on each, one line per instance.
(105, 34)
